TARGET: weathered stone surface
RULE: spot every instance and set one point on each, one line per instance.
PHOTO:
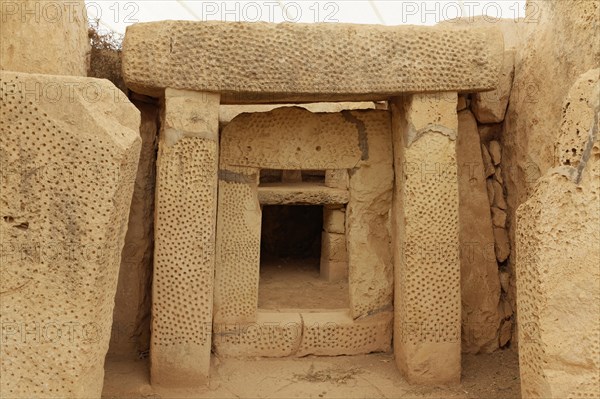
(498, 217)
(301, 194)
(490, 132)
(238, 226)
(272, 334)
(498, 175)
(480, 287)
(68, 169)
(131, 316)
(314, 141)
(368, 231)
(511, 28)
(490, 107)
(186, 201)
(499, 201)
(299, 62)
(337, 333)
(579, 111)
(228, 112)
(495, 152)
(557, 265)
(334, 220)
(302, 333)
(504, 281)
(44, 37)
(489, 184)
(488, 166)
(501, 244)
(357, 140)
(559, 47)
(426, 329)
(337, 178)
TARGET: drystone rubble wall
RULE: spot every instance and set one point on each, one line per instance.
(299, 62)
(68, 168)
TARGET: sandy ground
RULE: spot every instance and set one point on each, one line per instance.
(368, 376)
(296, 284)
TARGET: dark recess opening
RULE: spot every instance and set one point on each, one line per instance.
(290, 257)
(291, 232)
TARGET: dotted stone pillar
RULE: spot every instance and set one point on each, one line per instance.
(425, 224)
(186, 200)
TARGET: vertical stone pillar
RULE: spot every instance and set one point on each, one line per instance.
(425, 239)
(186, 200)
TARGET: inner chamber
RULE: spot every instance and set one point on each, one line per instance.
(290, 259)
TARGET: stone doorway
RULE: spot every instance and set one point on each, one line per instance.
(295, 260)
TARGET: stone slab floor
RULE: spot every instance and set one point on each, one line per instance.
(368, 376)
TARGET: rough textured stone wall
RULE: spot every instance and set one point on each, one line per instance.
(558, 253)
(559, 43)
(49, 37)
(131, 317)
(68, 164)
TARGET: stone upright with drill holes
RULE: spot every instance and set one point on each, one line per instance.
(68, 171)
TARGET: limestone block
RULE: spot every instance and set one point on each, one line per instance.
(67, 167)
(299, 62)
(488, 166)
(426, 328)
(336, 178)
(184, 255)
(301, 194)
(238, 246)
(557, 263)
(131, 316)
(334, 220)
(501, 244)
(273, 334)
(495, 152)
(228, 112)
(489, 185)
(490, 107)
(368, 231)
(336, 333)
(480, 287)
(44, 37)
(324, 333)
(333, 246)
(498, 175)
(499, 201)
(498, 217)
(313, 141)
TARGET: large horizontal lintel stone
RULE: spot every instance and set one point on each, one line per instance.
(301, 194)
(270, 63)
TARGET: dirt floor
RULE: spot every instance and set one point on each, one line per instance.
(295, 284)
(368, 376)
